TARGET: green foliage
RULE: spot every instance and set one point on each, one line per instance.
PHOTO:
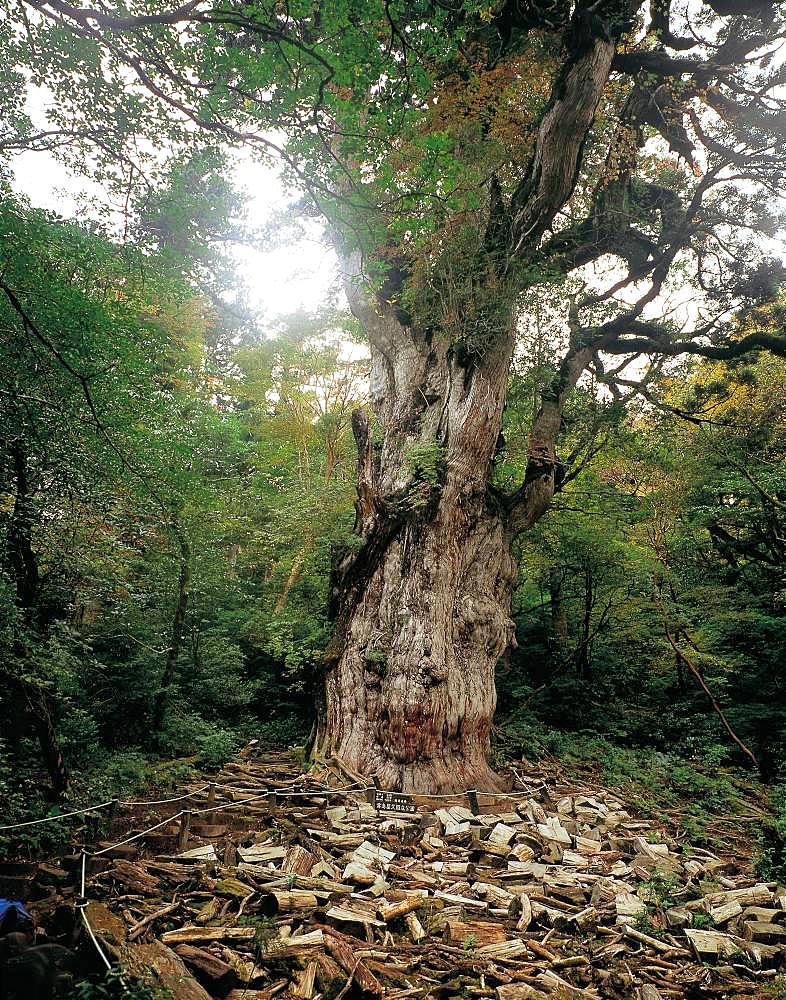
(424, 460)
(470, 943)
(658, 890)
(771, 861)
(776, 990)
(644, 923)
(113, 488)
(117, 986)
(217, 747)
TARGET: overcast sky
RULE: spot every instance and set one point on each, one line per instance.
(302, 276)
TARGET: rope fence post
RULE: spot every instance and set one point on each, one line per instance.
(185, 826)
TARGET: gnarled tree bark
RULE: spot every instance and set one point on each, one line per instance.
(422, 605)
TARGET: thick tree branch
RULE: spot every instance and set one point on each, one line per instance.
(551, 177)
(648, 338)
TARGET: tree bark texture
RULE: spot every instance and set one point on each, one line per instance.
(423, 606)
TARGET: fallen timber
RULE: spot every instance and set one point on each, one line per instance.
(551, 892)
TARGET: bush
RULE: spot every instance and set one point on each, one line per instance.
(771, 862)
(217, 747)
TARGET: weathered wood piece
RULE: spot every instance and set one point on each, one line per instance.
(220, 975)
(203, 935)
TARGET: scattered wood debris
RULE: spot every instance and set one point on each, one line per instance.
(313, 893)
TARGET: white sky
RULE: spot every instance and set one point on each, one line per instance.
(283, 280)
(300, 276)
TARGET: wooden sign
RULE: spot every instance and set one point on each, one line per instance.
(394, 802)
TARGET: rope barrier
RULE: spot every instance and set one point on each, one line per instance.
(120, 804)
(94, 939)
(51, 819)
(161, 802)
(81, 905)
(284, 791)
(136, 836)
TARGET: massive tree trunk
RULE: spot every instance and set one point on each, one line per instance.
(422, 603)
(423, 607)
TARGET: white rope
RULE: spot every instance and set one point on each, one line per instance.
(94, 939)
(136, 836)
(50, 819)
(121, 804)
(229, 805)
(161, 802)
(284, 791)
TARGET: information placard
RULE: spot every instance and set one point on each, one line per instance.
(394, 802)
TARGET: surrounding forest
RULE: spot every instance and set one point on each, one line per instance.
(539, 446)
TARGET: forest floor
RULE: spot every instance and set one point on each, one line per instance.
(265, 881)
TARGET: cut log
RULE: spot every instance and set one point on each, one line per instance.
(204, 935)
(465, 901)
(493, 894)
(372, 855)
(501, 835)
(272, 903)
(305, 983)
(160, 966)
(553, 830)
(206, 853)
(344, 954)
(646, 939)
(393, 911)
(257, 854)
(298, 860)
(219, 976)
(456, 869)
(711, 945)
(355, 910)
(415, 928)
(585, 919)
(359, 874)
(504, 951)
(725, 912)
(476, 933)
(525, 912)
(303, 944)
(758, 930)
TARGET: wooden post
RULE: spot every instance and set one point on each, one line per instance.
(472, 795)
(185, 825)
(211, 794)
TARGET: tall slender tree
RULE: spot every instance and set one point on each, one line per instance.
(462, 153)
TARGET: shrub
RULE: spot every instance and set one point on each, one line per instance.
(216, 747)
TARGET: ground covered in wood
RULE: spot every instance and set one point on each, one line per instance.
(296, 884)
